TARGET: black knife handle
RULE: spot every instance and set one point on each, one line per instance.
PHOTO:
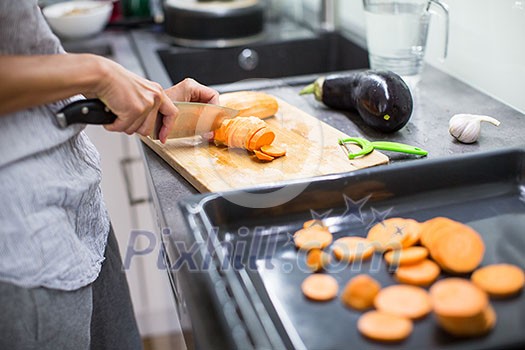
(90, 111)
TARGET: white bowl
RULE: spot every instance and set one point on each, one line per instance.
(78, 19)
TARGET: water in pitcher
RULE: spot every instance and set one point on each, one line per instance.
(397, 35)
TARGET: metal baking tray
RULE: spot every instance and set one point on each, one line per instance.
(255, 272)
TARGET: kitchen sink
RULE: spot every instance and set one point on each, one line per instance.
(268, 59)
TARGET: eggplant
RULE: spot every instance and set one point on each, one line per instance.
(382, 98)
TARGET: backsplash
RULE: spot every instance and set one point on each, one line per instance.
(486, 44)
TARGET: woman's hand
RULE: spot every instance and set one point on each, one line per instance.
(136, 102)
(29, 81)
(187, 90)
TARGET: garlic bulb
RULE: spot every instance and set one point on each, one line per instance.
(467, 127)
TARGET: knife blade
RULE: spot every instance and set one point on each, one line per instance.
(193, 119)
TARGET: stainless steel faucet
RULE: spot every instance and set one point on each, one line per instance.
(328, 21)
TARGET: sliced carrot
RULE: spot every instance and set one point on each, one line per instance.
(232, 129)
(422, 274)
(236, 132)
(220, 135)
(242, 130)
(360, 291)
(499, 280)
(274, 151)
(472, 326)
(404, 300)
(317, 260)
(262, 137)
(458, 250)
(430, 229)
(353, 248)
(265, 139)
(457, 297)
(412, 238)
(384, 327)
(410, 255)
(320, 287)
(263, 156)
(312, 238)
(394, 233)
(313, 222)
(250, 136)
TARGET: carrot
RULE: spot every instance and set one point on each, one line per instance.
(457, 297)
(250, 136)
(499, 280)
(410, 255)
(430, 229)
(461, 308)
(320, 287)
(274, 151)
(312, 238)
(353, 248)
(404, 300)
(394, 233)
(384, 327)
(313, 222)
(240, 132)
(236, 132)
(317, 260)
(262, 137)
(360, 291)
(469, 326)
(263, 156)
(412, 238)
(459, 249)
(250, 103)
(219, 135)
(423, 273)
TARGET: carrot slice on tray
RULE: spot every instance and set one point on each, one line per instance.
(422, 274)
(408, 256)
(473, 326)
(499, 280)
(263, 156)
(384, 327)
(458, 250)
(360, 291)
(274, 151)
(404, 300)
(320, 287)
(430, 229)
(317, 260)
(353, 248)
(457, 297)
(312, 238)
(394, 233)
(461, 308)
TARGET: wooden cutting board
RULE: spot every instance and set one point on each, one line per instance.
(312, 149)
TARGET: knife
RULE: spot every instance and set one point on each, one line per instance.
(193, 118)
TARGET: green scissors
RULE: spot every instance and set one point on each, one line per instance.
(369, 146)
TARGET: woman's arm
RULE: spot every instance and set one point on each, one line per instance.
(28, 81)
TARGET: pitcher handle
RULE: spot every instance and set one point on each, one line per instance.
(443, 8)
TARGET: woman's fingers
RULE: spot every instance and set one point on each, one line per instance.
(169, 112)
(189, 90)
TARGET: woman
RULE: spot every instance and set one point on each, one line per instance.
(61, 282)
